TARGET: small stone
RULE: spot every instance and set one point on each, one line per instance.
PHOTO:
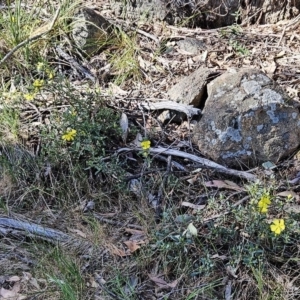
(190, 90)
(191, 45)
(90, 31)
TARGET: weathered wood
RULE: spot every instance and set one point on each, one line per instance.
(9, 226)
(202, 161)
(189, 110)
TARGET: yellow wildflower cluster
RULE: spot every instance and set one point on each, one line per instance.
(69, 135)
(263, 203)
(38, 84)
(277, 226)
(29, 96)
(145, 144)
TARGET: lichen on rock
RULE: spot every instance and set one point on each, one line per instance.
(247, 120)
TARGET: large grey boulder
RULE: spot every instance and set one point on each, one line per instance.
(247, 120)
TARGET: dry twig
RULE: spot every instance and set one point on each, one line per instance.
(203, 161)
(9, 226)
(189, 110)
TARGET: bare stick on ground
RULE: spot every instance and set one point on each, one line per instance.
(203, 161)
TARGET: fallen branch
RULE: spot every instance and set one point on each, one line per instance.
(189, 110)
(203, 161)
(18, 228)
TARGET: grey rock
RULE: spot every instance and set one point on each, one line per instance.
(90, 31)
(190, 89)
(247, 120)
(191, 45)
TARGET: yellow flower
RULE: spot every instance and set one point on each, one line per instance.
(69, 135)
(29, 97)
(262, 208)
(265, 199)
(278, 226)
(145, 144)
(38, 83)
(263, 203)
